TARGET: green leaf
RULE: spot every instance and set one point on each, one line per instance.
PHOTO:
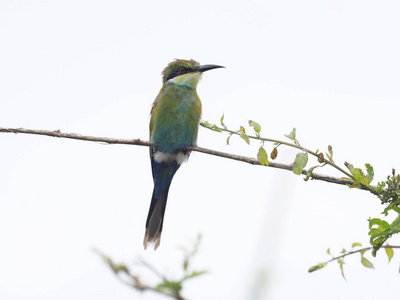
(185, 264)
(374, 221)
(370, 171)
(292, 134)
(379, 238)
(169, 285)
(308, 175)
(385, 225)
(215, 128)
(243, 135)
(341, 263)
(300, 162)
(374, 231)
(366, 263)
(382, 224)
(356, 245)
(380, 186)
(262, 156)
(210, 126)
(328, 251)
(228, 138)
(389, 253)
(195, 274)
(358, 174)
(396, 209)
(255, 125)
(370, 174)
(367, 180)
(222, 121)
(316, 267)
(205, 124)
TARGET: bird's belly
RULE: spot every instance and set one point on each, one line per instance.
(174, 137)
(167, 157)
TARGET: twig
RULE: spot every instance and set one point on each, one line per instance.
(76, 136)
(135, 282)
(272, 164)
(359, 250)
(153, 269)
(139, 142)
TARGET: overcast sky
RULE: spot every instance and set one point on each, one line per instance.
(328, 68)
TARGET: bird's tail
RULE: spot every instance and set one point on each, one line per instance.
(163, 172)
(155, 219)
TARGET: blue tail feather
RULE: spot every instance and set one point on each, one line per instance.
(163, 172)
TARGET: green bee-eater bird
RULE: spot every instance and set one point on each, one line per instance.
(174, 124)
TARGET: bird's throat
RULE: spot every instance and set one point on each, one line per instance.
(189, 80)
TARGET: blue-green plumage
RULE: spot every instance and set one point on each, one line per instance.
(174, 122)
(175, 117)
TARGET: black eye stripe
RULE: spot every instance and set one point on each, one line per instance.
(180, 71)
(183, 70)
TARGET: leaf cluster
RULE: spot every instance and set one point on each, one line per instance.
(388, 191)
(364, 261)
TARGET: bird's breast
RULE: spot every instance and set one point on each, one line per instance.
(175, 119)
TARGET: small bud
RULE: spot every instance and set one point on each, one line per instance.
(349, 166)
(321, 158)
(274, 153)
(330, 150)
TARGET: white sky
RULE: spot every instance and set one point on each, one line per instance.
(328, 68)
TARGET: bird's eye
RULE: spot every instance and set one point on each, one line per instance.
(181, 70)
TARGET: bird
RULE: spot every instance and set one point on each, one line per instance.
(174, 123)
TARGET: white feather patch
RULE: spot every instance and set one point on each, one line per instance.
(179, 157)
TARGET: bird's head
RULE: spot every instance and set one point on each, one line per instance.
(185, 72)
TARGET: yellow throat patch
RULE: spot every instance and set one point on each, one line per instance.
(189, 80)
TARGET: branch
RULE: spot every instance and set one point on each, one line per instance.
(76, 136)
(134, 280)
(359, 250)
(139, 142)
(166, 285)
(272, 164)
(365, 262)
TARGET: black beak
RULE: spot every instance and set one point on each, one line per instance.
(208, 67)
